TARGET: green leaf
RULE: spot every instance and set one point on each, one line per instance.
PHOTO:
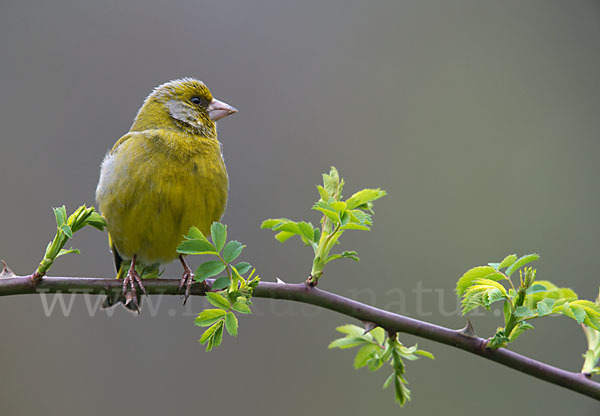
(545, 306)
(272, 223)
(323, 193)
(67, 230)
(347, 342)
(507, 261)
(283, 236)
(217, 337)
(364, 354)
(327, 209)
(96, 220)
(307, 230)
(524, 312)
(379, 335)
(218, 300)
(242, 308)
(470, 275)
(231, 324)
(62, 252)
(197, 247)
(352, 330)
(232, 250)
(208, 317)
(518, 330)
(543, 289)
(353, 226)
(583, 311)
(522, 261)
(209, 332)
(243, 267)
(60, 213)
(425, 354)
(218, 233)
(209, 269)
(221, 283)
(364, 196)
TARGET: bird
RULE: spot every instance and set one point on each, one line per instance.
(162, 177)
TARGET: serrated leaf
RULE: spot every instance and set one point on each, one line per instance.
(209, 269)
(241, 307)
(545, 306)
(196, 247)
(523, 312)
(332, 215)
(221, 283)
(470, 275)
(208, 317)
(231, 324)
(216, 338)
(218, 300)
(218, 234)
(306, 230)
(232, 250)
(209, 333)
(518, 330)
(364, 196)
(522, 261)
(583, 311)
(543, 289)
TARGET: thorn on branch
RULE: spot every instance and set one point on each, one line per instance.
(468, 330)
(369, 326)
(6, 272)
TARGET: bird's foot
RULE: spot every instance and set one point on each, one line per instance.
(129, 291)
(187, 278)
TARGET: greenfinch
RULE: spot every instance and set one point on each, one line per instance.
(162, 177)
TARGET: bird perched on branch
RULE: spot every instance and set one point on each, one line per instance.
(162, 177)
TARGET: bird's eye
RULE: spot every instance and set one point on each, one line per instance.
(196, 100)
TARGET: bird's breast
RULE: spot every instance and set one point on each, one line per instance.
(153, 189)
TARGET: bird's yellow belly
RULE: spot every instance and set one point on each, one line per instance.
(150, 199)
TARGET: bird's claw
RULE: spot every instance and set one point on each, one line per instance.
(130, 295)
(186, 280)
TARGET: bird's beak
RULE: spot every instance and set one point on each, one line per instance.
(218, 109)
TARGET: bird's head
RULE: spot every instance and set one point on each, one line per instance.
(184, 103)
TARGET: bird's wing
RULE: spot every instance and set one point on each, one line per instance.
(117, 258)
(121, 141)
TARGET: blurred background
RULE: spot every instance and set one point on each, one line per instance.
(480, 119)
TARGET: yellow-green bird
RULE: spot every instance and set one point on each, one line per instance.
(162, 177)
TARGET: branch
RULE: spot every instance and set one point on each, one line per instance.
(314, 296)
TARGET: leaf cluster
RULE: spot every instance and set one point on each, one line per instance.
(375, 350)
(592, 355)
(231, 292)
(65, 228)
(355, 213)
(482, 286)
